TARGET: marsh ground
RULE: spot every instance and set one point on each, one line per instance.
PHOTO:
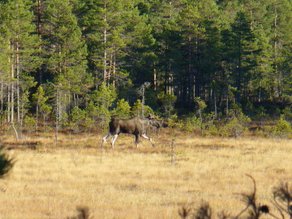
(49, 181)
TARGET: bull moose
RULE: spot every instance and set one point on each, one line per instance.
(135, 126)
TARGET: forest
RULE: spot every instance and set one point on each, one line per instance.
(76, 63)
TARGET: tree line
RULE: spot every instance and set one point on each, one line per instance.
(64, 60)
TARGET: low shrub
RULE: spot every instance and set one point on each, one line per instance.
(122, 110)
(191, 124)
(29, 123)
(235, 124)
(282, 128)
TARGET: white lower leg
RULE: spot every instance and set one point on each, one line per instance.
(114, 140)
(146, 137)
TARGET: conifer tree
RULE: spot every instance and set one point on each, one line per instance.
(20, 50)
(65, 52)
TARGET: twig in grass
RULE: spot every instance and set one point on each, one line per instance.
(173, 157)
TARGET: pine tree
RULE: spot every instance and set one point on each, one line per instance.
(42, 106)
(281, 41)
(65, 52)
(241, 47)
(21, 54)
(114, 30)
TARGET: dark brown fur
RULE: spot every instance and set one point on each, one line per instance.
(134, 126)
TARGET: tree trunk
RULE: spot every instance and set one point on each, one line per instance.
(227, 102)
(155, 79)
(57, 117)
(39, 17)
(2, 96)
(278, 81)
(104, 43)
(37, 116)
(12, 85)
(215, 105)
(239, 72)
(8, 102)
(114, 69)
(17, 82)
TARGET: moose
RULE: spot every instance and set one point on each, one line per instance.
(135, 126)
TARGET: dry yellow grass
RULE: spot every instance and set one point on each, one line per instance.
(50, 181)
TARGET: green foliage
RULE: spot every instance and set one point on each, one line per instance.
(65, 49)
(101, 101)
(40, 100)
(76, 118)
(29, 122)
(173, 122)
(283, 128)
(233, 128)
(287, 113)
(104, 96)
(122, 110)
(191, 124)
(167, 102)
(6, 163)
(235, 125)
(205, 53)
(209, 127)
(64, 120)
(137, 109)
(79, 120)
(201, 103)
(91, 111)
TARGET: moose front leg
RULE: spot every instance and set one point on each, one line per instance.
(136, 140)
(148, 138)
(114, 140)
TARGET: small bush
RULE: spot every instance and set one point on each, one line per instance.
(233, 128)
(210, 129)
(167, 102)
(29, 122)
(104, 116)
(137, 109)
(191, 124)
(174, 122)
(88, 123)
(77, 118)
(235, 124)
(287, 112)
(122, 110)
(283, 128)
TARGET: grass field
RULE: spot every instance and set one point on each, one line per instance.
(49, 181)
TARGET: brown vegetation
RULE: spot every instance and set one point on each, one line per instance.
(49, 181)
